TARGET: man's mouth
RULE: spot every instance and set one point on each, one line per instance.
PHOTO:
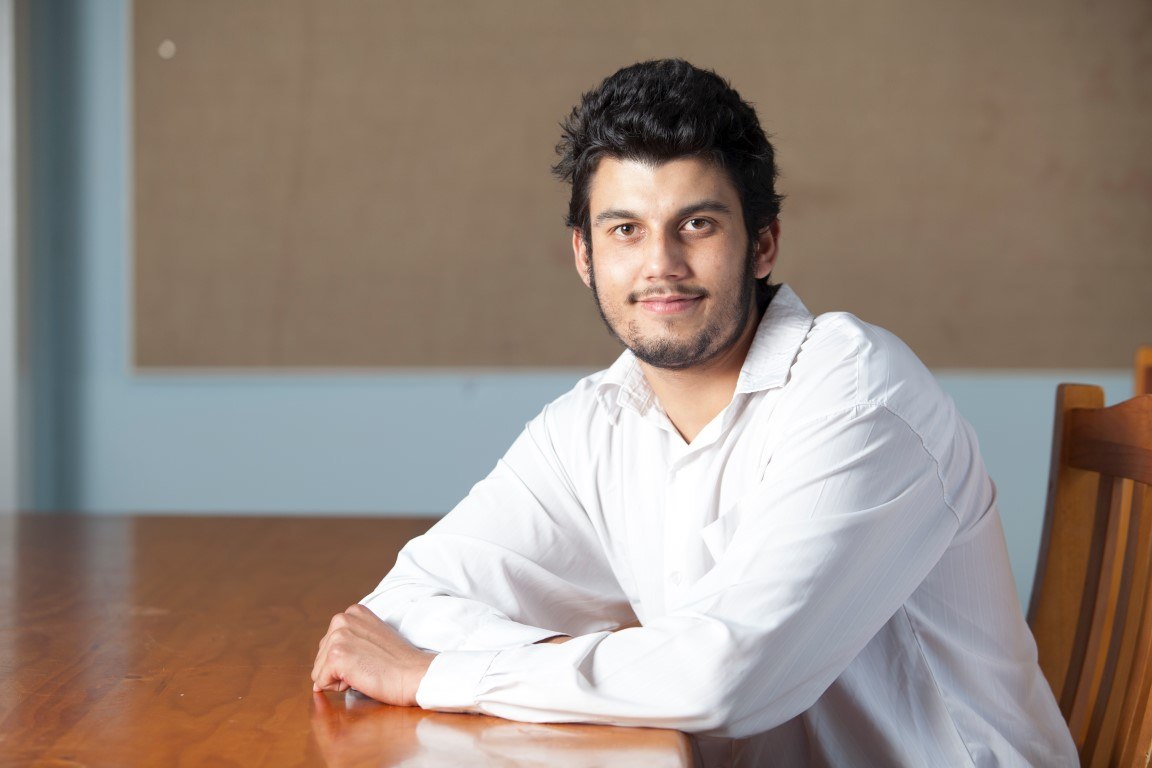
(670, 303)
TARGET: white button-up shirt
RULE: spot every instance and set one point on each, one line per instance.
(823, 568)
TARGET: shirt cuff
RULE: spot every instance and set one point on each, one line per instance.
(451, 682)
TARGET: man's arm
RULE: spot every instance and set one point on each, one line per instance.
(361, 651)
(810, 566)
(516, 563)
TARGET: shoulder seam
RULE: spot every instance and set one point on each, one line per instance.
(880, 405)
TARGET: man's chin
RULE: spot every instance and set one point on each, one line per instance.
(671, 357)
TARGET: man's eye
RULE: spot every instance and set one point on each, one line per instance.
(697, 224)
(626, 230)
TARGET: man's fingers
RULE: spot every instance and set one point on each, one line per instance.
(330, 671)
(327, 676)
(362, 651)
(324, 652)
(340, 627)
(320, 680)
(339, 620)
(318, 669)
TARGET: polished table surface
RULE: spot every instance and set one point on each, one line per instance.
(189, 641)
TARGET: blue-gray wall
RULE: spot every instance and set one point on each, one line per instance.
(109, 439)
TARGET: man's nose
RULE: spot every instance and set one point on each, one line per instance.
(664, 258)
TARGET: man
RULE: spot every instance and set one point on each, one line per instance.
(756, 524)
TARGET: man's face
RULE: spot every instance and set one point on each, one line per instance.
(670, 264)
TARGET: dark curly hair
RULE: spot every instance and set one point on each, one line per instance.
(657, 111)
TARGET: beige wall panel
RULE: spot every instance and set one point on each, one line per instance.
(339, 183)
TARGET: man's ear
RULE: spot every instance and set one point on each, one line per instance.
(767, 248)
(583, 257)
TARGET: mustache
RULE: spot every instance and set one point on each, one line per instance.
(667, 292)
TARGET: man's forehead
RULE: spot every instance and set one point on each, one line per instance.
(618, 182)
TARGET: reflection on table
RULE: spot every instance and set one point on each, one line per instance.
(189, 641)
(352, 730)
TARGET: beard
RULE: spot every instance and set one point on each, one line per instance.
(678, 354)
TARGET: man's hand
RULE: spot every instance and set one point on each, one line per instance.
(360, 651)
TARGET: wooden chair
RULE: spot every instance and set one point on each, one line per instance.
(1091, 607)
(1144, 371)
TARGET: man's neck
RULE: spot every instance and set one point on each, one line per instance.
(692, 397)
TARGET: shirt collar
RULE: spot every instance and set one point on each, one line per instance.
(783, 328)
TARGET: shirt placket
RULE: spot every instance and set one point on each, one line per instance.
(677, 500)
(685, 513)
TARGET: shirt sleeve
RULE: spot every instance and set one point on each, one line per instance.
(849, 518)
(517, 561)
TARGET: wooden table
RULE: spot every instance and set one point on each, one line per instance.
(169, 641)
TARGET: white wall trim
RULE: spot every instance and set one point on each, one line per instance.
(9, 293)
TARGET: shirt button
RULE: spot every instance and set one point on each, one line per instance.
(674, 577)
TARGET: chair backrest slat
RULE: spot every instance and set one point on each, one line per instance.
(1133, 738)
(1071, 537)
(1091, 608)
(1086, 682)
(1109, 706)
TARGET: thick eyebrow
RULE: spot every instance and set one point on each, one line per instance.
(703, 206)
(613, 213)
(700, 206)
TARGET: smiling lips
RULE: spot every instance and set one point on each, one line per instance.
(669, 303)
